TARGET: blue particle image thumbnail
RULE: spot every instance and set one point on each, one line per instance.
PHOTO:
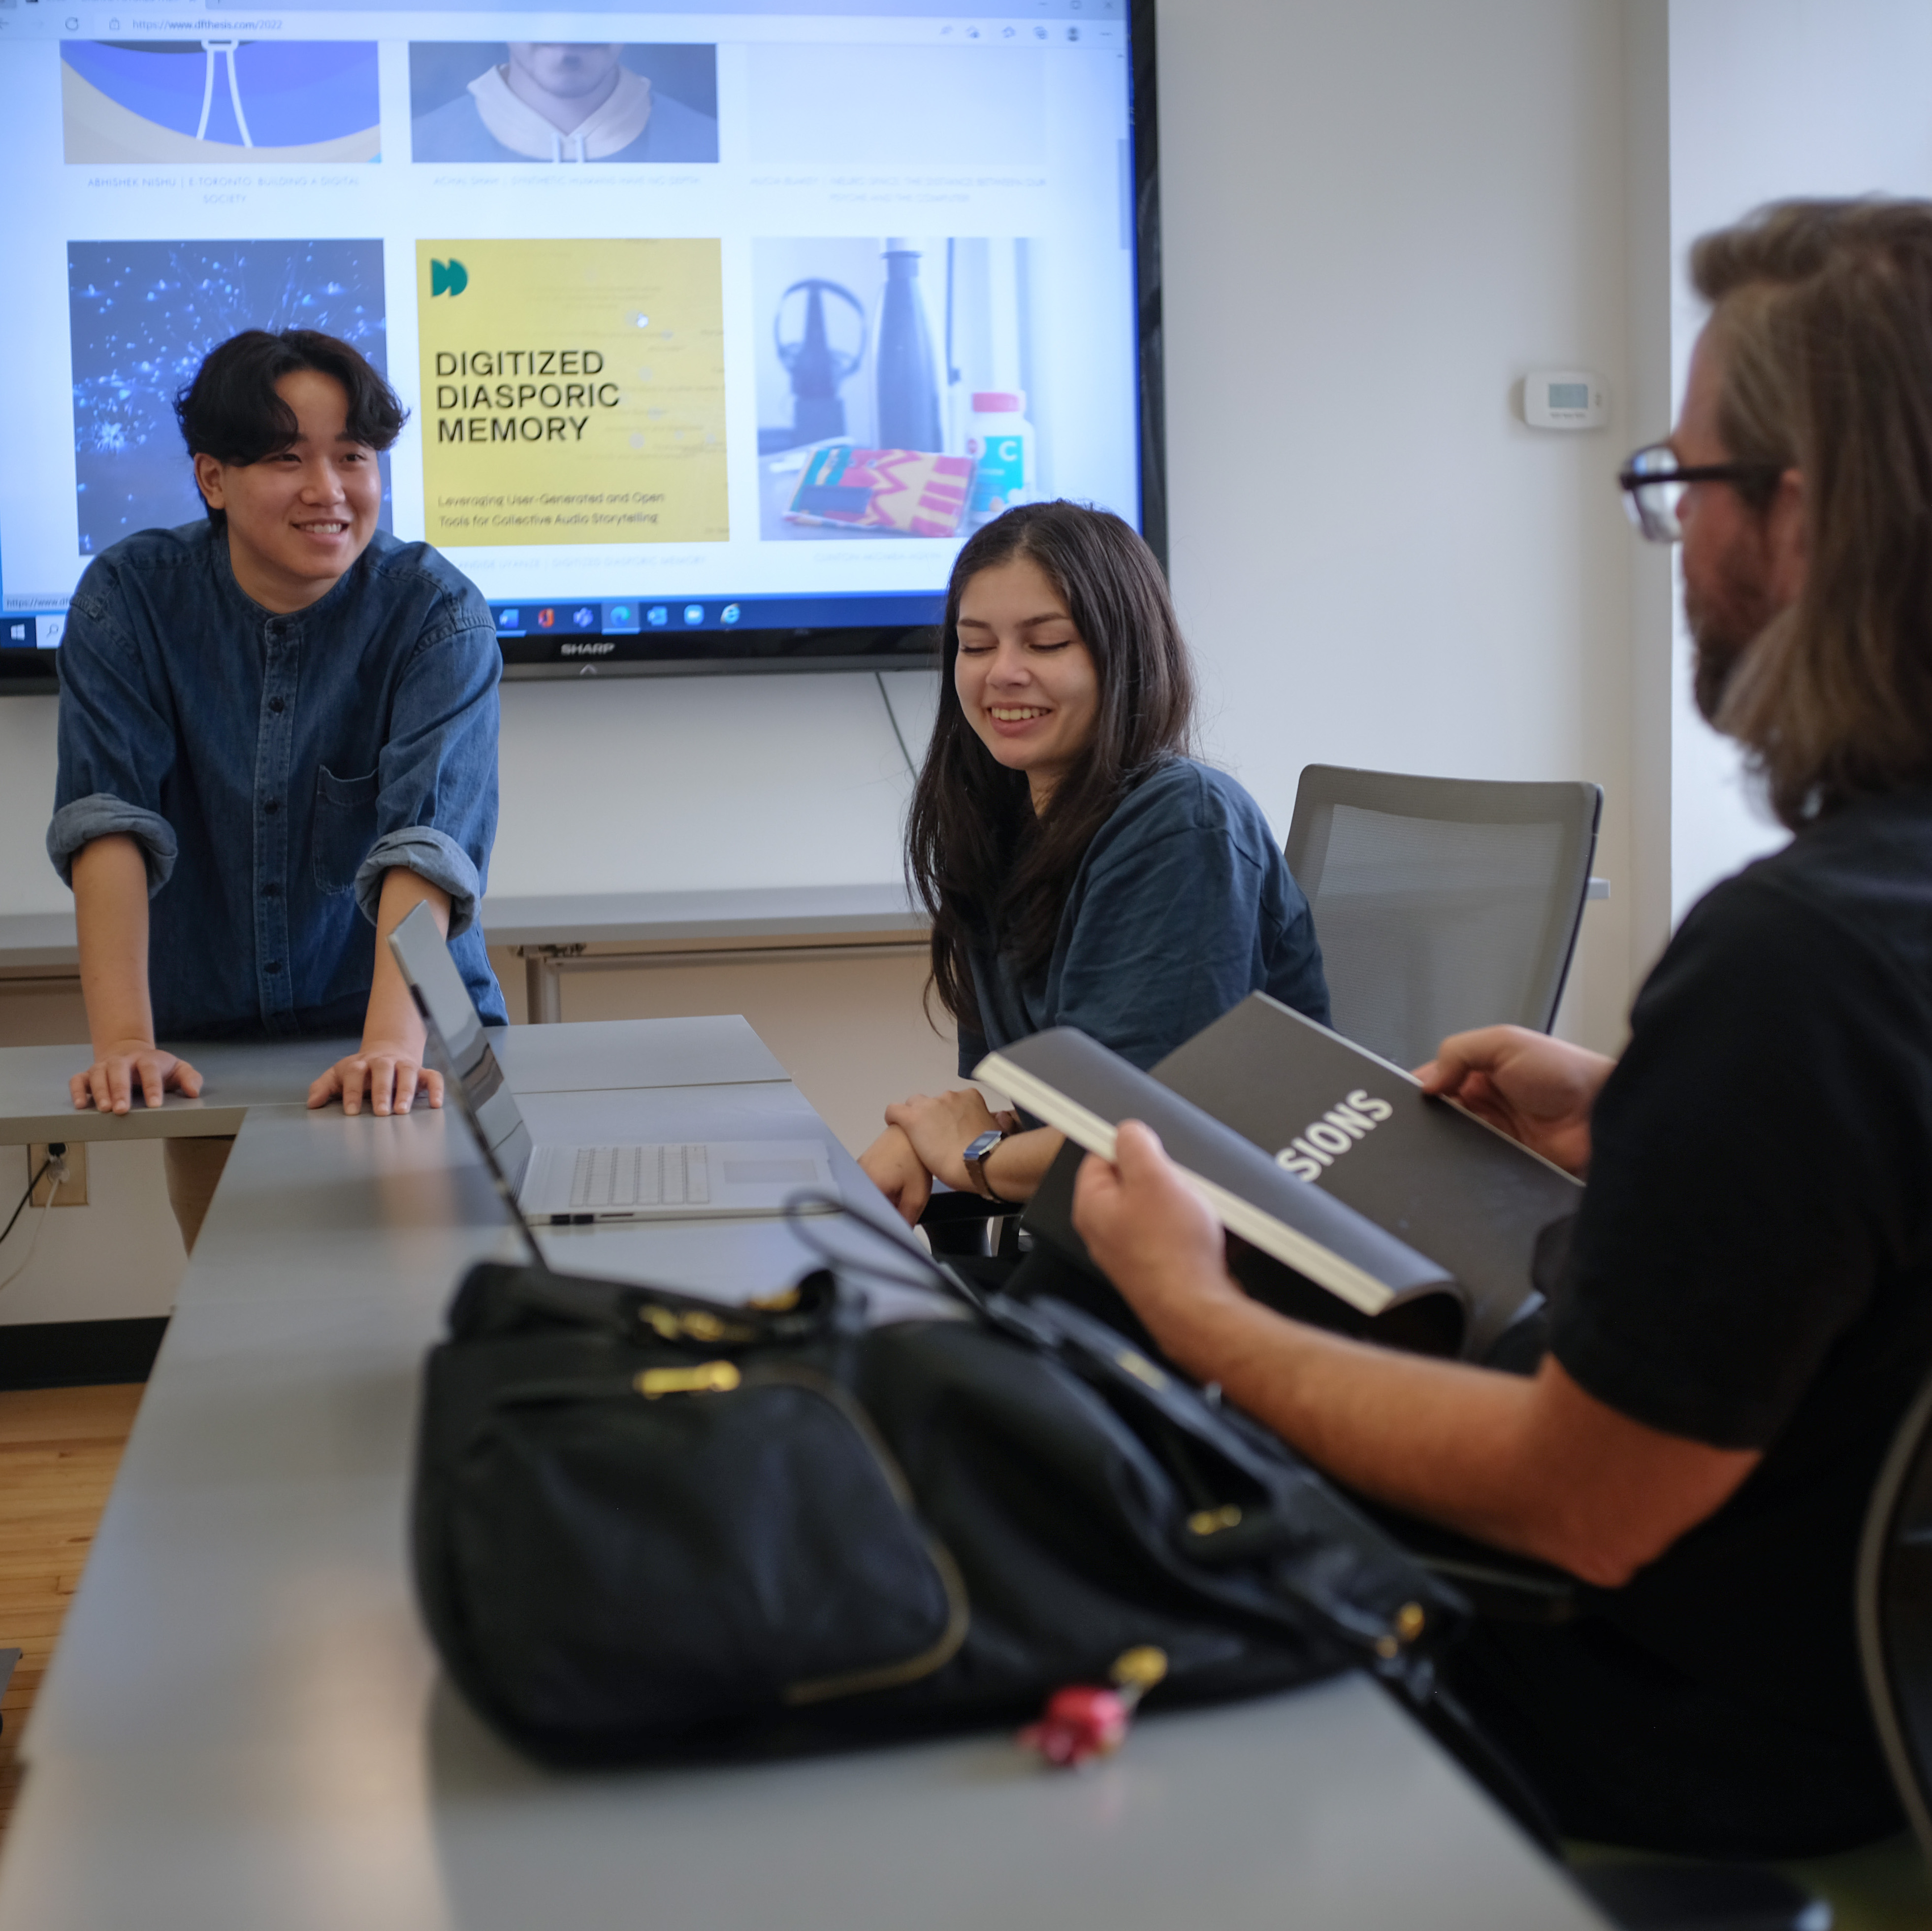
(142, 315)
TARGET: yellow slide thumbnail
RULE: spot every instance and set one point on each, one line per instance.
(572, 391)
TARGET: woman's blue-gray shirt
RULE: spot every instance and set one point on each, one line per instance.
(1182, 907)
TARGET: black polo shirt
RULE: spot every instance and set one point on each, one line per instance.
(1752, 1267)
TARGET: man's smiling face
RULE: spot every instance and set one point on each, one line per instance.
(299, 518)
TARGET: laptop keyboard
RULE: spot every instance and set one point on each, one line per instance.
(640, 1176)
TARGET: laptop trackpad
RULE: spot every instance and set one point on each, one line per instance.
(675, 1178)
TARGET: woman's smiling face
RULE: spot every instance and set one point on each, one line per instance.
(1025, 679)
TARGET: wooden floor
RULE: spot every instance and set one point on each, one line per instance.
(59, 1447)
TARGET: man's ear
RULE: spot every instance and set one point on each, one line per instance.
(208, 477)
(1788, 544)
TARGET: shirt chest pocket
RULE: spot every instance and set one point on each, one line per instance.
(345, 826)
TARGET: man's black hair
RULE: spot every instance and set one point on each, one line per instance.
(230, 410)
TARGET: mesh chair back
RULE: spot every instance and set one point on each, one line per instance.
(1441, 903)
(1895, 1612)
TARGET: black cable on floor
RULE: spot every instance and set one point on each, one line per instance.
(26, 1196)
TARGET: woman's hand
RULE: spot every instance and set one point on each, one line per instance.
(109, 1084)
(1154, 1237)
(940, 1127)
(392, 1072)
(1536, 1089)
(892, 1166)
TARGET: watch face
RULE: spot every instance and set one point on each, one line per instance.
(983, 1145)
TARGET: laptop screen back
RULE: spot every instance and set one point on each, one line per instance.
(471, 1071)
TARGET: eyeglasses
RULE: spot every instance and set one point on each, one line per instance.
(1654, 483)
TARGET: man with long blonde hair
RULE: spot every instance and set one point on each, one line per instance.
(1744, 1312)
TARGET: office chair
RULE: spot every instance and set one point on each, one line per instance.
(964, 1226)
(1895, 1624)
(1894, 1611)
(1441, 903)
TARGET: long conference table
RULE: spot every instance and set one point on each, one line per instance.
(244, 1726)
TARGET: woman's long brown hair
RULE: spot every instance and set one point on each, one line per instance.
(989, 871)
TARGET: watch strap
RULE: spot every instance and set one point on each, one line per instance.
(978, 1150)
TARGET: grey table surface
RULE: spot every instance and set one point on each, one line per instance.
(238, 1075)
(47, 939)
(244, 1725)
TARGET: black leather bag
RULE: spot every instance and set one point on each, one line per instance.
(644, 1522)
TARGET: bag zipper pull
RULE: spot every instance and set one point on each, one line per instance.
(1082, 1721)
(708, 1377)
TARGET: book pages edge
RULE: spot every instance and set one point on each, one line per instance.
(1255, 1225)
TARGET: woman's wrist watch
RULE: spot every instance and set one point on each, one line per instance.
(974, 1160)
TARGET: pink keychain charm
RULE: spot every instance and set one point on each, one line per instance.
(1083, 1721)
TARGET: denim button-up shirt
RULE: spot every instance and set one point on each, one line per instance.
(272, 768)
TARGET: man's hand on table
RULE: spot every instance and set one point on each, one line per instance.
(390, 1072)
(125, 1067)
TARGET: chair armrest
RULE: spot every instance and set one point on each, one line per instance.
(960, 1225)
(1511, 1588)
(946, 1209)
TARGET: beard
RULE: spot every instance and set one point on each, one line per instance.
(1724, 621)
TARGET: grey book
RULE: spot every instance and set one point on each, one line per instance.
(1074, 1083)
(1350, 1130)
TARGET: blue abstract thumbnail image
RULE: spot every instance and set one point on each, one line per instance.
(264, 94)
(143, 315)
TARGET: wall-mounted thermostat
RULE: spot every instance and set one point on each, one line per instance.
(1565, 399)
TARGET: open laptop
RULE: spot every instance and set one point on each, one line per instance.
(567, 1185)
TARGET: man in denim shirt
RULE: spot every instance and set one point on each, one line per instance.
(278, 736)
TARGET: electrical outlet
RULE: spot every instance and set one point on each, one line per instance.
(74, 1189)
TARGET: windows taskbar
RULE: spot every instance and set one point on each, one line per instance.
(562, 618)
(581, 636)
(664, 635)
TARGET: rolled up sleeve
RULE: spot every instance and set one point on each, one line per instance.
(117, 741)
(436, 812)
(101, 814)
(431, 854)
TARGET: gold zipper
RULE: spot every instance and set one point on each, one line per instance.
(708, 1377)
(958, 1607)
(721, 1377)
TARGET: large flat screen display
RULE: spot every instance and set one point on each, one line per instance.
(719, 332)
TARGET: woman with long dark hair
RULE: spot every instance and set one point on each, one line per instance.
(1080, 868)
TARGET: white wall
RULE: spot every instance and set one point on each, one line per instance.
(651, 784)
(27, 881)
(116, 1257)
(1810, 98)
(644, 784)
(1377, 218)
